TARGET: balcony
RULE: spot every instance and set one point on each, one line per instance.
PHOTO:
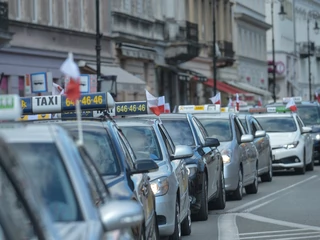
(183, 42)
(226, 57)
(303, 49)
(5, 35)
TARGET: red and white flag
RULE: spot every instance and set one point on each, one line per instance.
(216, 99)
(260, 102)
(152, 102)
(71, 69)
(167, 108)
(161, 104)
(291, 105)
(237, 102)
(57, 89)
(317, 96)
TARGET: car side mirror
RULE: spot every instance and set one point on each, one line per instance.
(145, 166)
(306, 129)
(260, 133)
(211, 142)
(182, 151)
(246, 138)
(121, 214)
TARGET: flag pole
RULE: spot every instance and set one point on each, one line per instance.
(80, 132)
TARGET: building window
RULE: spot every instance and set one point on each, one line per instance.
(81, 15)
(4, 85)
(195, 12)
(35, 11)
(18, 9)
(50, 13)
(66, 13)
(21, 86)
(139, 6)
(127, 5)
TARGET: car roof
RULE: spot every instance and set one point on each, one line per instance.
(163, 116)
(135, 122)
(274, 115)
(213, 115)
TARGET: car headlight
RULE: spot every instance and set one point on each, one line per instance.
(160, 186)
(291, 145)
(192, 169)
(318, 137)
(226, 155)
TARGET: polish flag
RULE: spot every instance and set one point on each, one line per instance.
(167, 108)
(260, 102)
(291, 105)
(152, 102)
(237, 102)
(71, 69)
(230, 103)
(57, 89)
(216, 99)
(317, 97)
(161, 104)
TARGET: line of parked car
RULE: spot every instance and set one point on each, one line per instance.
(138, 176)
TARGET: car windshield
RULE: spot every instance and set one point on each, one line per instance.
(278, 124)
(179, 131)
(144, 142)
(44, 164)
(101, 150)
(218, 128)
(309, 115)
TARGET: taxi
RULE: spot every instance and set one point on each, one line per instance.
(205, 169)
(125, 176)
(22, 212)
(309, 112)
(71, 193)
(290, 139)
(149, 138)
(239, 155)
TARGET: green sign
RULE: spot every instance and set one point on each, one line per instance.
(282, 109)
(6, 102)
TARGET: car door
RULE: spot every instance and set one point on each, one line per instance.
(307, 140)
(211, 159)
(179, 169)
(263, 146)
(258, 143)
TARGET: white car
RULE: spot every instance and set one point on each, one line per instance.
(291, 142)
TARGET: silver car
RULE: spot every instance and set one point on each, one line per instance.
(240, 156)
(262, 142)
(149, 139)
(74, 200)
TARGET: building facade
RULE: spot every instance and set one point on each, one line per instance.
(250, 36)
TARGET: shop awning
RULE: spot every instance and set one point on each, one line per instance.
(185, 74)
(249, 88)
(223, 87)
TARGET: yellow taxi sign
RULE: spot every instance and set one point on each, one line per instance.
(210, 108)
(199, 108)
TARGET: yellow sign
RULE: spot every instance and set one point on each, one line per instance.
(24, 118)
(86, 100)
(134, 108)
(44, 116)
(23, 104)
(223, 109)
(199, 108)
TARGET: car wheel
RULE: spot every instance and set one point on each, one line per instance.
(238, 193)
(253, 187)
(303, 169)
(186, 224)
(310, 166)
(267, 177)
(177, 226)
(202, 215)
(220, 201)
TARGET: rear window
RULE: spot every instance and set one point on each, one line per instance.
(179, 131)
(218, 128)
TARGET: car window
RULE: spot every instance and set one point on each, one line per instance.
(278, 124)
(218, 128)
(144, 141)
(180, 131)
(102, 152)
(257, 124)
(202, 133)
(309, 114)
(128, 157)
(244, 123)
(253, 127)
(300, 123)
(127, 144)
(168, 141)
(45, 165)
(13, 206)
(238, 131)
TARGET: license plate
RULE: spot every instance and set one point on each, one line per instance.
(273, 157)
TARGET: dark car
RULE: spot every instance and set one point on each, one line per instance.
(115, 160)
(205, 167)
(309, 113)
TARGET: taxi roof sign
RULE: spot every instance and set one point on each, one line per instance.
(295, 99)
(278, 109)
(10, 107)
(258, 110)
(209, 108)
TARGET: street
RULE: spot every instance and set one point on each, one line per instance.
(286, 209)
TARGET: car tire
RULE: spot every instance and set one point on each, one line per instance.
(203, 213)
(220, 202)
(156, 233)
(310, 166)
(253, 187)
(186, 224)
(302, 170)
(267, 177)
(177, 226)
(238, 193)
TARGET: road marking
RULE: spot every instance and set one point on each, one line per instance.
(259, 205)
(278, 231)
(236, 209)
(296, 238)
(227, 227)
(282, 235)
(277, 222)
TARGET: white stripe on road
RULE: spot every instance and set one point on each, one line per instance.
(278, 231)
(259, 205)
(297, 238)
(277, 222)
(227, 227)
(310, 234)
(236, 209)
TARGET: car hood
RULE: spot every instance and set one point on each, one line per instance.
(278, 139)
(80, 230)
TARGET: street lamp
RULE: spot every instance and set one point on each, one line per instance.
(98, 45)
(214, 53)
(109, 84)
(282, 14)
